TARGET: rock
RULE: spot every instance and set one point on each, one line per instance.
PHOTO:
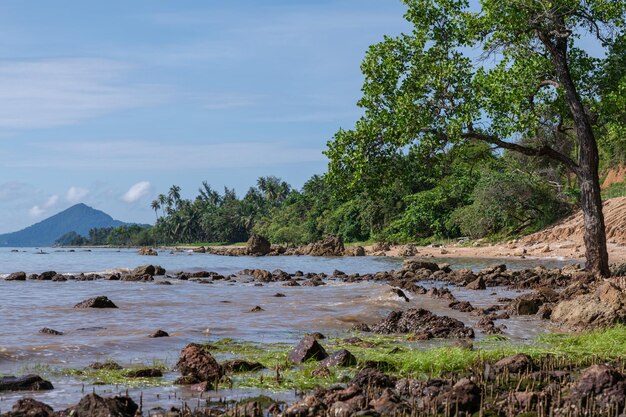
(390, 404)
(603, 308)
(464, 397)
(515, 364)
(160, 333)
(602, 384)
(372, 377)
(238, 365)
(53, 332)
(414, 265)
(342, 358)
(330, 246)
(96, 302)
(16, 276)
(29, 407)
(400, 293)
(463, 306)
(144, 270)
(258, 245)
(111, 366)
(46, 276)
(200, 249)
(147, 252)
(279, 295)
(196, 364)
(477, 284)
(316, 335)
(309, 406)
(24, 383)
(308, 348)
(420, 321)
(144, 373)
(93, 405)
(257, 309)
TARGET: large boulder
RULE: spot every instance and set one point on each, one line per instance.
(145, 270)
(24, 383)
(330, 246)
(196, 365)
(308, 348)
(423, 323)
(93, 405)
(602, 308)
(258, 245)
(96, 302)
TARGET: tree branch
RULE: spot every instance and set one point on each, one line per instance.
(544, 150)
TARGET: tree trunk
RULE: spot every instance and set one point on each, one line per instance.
(588, 165)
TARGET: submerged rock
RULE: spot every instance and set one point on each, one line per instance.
(96, 302)
(24, 383)
(160, 333)
(52, 332)
(422, 322)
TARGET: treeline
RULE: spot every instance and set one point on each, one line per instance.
(130, 235)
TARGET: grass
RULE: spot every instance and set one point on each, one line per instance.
(615, 190)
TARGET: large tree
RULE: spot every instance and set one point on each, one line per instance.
(511, 73)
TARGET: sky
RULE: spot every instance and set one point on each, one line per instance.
(110, 103)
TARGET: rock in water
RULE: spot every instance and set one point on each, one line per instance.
(96, 302)
(16, 276)
(308, 348)
(196, 365)
(258, 245)
(53, 332)
(422, 323)
(160, 333)
(147, 252)
(93, 405)
(24, 383)
(28, 407)
(145, 270)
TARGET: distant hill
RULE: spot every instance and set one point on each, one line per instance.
(79, 218)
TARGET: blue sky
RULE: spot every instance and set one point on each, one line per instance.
(110, 103)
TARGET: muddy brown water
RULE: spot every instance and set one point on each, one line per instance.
(192, 312)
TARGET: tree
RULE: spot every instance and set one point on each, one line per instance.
(429, 88)
(156, 205)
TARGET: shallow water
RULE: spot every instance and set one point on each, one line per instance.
(190, 312)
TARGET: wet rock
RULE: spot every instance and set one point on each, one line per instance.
(477, 284)
(308, 348)
(257, 309)
(196, 364)
(400, 293)
(415, 265)
(147, 252)
(144, 373)
(291, 283)
(46, 276)
(16, 276)
(24, 383)
(144, 270)
(279, 295)
(361, 327)
(463, 306)
(602, 384)
(602, 308)
(96, 302)
(280, 275)
(372, 377)
(515, 364)
(420, 321)
(111, 366)
(29, 407)
(160, 333)
(342, 358)
(49, 331)
(238, 365)
(93, 405)
(137, 278)
(258, 245)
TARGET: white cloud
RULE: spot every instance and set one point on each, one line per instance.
(136, 192)
(36, 211)
(51, 201)
(76, 194)
(55, 92)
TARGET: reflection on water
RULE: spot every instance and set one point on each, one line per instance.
(190, 312)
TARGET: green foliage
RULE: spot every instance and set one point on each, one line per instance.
(510, 202)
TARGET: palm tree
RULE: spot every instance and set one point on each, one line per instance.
(174, 195)
(156, 206)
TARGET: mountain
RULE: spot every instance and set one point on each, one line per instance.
(79, 218)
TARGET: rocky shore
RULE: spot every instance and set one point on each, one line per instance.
(358, 376)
